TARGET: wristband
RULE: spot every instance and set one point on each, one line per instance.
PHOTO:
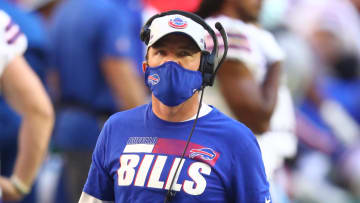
(21, 187)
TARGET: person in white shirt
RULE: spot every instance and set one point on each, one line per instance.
(23, 90)
(251, 87)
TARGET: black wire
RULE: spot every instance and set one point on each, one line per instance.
(171, 194)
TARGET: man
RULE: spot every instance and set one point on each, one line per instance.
(94, 59)
(24, 92)
(250, 85)
(137, 156)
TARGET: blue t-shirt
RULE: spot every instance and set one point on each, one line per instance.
(83, 34)
(137, 153)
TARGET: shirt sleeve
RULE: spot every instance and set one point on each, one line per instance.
(12, 41)
(239, 42)
(99, 183)
(269, 46)
(249, 182)
(239, 45)
(116, 33)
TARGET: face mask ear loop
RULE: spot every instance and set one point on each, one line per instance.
(170, 193)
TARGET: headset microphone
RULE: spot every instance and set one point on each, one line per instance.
(226, 47)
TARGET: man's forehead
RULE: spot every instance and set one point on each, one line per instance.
(183, 40)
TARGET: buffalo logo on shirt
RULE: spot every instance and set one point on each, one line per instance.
(177, 23)
(203, 153)
(157, 168)
(154, 79)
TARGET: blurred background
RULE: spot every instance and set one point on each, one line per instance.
(77, 47)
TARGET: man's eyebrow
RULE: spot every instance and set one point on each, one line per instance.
(188, 47)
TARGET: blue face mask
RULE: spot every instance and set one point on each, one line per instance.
(171, 83)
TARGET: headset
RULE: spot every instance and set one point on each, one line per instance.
(209, 65)
(210, 62)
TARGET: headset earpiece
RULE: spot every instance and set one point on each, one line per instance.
(206, 68)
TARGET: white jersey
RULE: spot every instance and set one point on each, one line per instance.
(12, 41)
(257, 48)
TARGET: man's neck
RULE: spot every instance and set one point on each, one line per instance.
(178, 113)
(232, 13)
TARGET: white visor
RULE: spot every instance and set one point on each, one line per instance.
(177, 24)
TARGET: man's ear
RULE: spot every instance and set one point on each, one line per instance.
(144, 66)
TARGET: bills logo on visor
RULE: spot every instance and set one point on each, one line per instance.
(154, 79)
(203, 153)
(177, 23)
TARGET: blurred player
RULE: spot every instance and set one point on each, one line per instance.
(94, 57)
(331, 101)
(33, 27)
(24, 92)
(138, 151)
(251, 86)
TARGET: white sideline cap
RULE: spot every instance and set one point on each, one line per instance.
(177, 23)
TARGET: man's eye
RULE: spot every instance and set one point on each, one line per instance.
(184, 53)
(160, 52)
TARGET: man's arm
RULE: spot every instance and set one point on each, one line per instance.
(23, 90)
(117, 60)
(126, 86)
(252, 103)
(86, 198)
